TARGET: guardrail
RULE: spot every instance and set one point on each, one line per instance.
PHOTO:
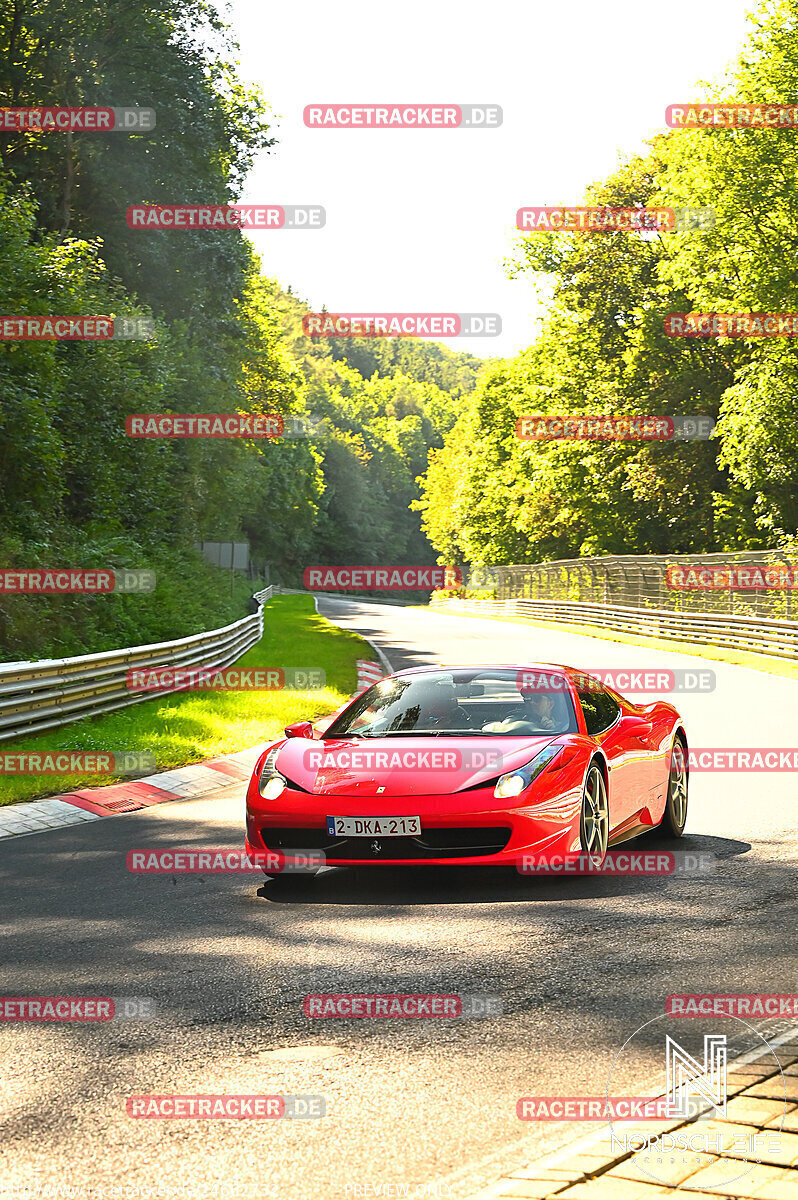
(51, 692)
(777, 638)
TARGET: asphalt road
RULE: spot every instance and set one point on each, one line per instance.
(422, 1105)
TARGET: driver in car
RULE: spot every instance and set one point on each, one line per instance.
(538, 709)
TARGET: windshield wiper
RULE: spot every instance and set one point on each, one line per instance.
(343, 737)
(388, 733)
(381, 733)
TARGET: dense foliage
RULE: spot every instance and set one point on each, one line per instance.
(492, 498)
(415, 453)
(74, 489)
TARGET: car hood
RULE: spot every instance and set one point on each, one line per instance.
(425, 766)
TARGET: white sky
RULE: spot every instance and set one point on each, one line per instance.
(420, 221)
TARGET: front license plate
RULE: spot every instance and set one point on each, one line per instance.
(374, 826)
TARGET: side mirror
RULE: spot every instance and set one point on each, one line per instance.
(302, 729)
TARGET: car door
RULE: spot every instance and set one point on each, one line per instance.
(627, 757)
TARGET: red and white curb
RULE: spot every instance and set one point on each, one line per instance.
(369, 673)
(90, 804)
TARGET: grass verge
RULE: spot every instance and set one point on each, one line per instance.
(187, 727)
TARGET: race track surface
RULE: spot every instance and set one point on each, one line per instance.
(578, 965)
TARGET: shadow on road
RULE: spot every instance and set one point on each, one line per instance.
(383, 885)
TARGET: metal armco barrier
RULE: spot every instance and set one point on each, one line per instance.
(51, 692)
(641, 581)
(777, 638)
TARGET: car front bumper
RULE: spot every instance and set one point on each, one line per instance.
(467, 829)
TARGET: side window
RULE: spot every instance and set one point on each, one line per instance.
(599, 708)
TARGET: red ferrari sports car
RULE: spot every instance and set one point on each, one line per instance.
(470, 765)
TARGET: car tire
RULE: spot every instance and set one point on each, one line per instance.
(594, 819)
(674, 818)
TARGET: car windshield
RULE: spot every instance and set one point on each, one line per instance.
(461, 703)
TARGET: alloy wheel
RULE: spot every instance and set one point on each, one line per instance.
(595, 822)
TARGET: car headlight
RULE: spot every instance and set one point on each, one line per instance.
(515, 782)
(271, 783)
